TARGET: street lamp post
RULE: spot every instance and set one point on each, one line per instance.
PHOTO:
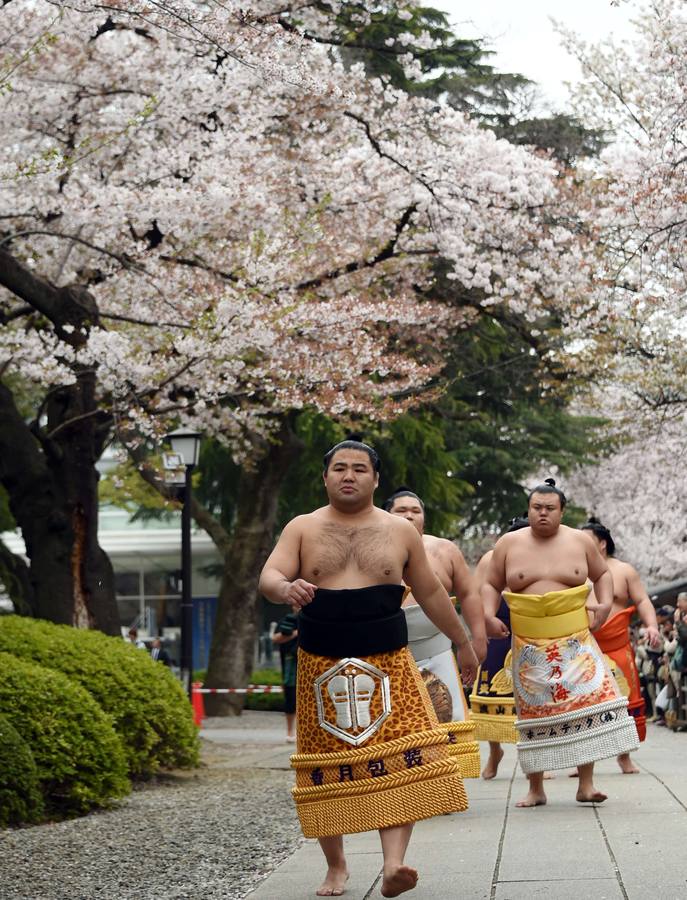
(186, 444)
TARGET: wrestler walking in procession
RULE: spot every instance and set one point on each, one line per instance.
(492, 705)
(370, 755)
(431, 649)
(570, 709)
(629, 595)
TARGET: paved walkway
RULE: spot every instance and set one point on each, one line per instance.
(631, 847)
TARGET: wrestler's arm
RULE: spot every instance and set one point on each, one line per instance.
(645, 607)
(279, 638)
(279, 580)
(431, 595)
(494, 626)
(492, 572)
(601, 578)
(465, 588)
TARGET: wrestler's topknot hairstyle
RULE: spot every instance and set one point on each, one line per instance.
(601, 532)
(353, 444)
(401, 491)
(548, 487)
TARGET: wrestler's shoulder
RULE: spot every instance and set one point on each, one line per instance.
(308, 521)
(620, 566)
(399, 526)
(433, 542)
(511, 538)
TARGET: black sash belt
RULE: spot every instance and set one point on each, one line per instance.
(343, 638)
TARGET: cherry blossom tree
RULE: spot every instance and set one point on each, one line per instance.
(208, 217)
(640, 493)
(636, 317)
(637, 209)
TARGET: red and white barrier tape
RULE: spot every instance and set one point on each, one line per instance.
(251, 689)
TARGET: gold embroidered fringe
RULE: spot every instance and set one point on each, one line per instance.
(500, 729)
(390, 798)
(462, 744)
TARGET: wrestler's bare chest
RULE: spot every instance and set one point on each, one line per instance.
(545, 566)
(440, 564)
(621, 594)
(334, 555)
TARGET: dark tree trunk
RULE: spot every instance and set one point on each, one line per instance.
(238, 605)
(51, 480)
(49, 471)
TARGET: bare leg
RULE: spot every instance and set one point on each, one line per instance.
(535, 795)
(290, 727)
(626, 765)
(586, 792)
(337, 870)
(495, 757)
(397, 877)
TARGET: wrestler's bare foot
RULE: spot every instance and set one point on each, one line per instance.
(492, 766)
(590, 796)
(549, 776)
(574, 774)
(334, 883)
(533, 798)
(397, 880)
(627, 767)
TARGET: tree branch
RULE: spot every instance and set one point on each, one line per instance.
(70, 308)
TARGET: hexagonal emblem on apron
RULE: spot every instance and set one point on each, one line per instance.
(353, 699)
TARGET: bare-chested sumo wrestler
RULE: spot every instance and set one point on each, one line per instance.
(570, 709)
(370, 754)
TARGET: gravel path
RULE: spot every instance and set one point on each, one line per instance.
(209, 834)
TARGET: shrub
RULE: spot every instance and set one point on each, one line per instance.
(149, 709)
(21, 799)
(274, 702)
(79, 759)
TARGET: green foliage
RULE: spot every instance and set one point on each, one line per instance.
(149, 709)
(564, 135)
(124, 487)
(303, 486)
(21, 799)
(218, 482)
(502, 417)
(455, 69)
(273, 702)
(79, 759)
(506, 414)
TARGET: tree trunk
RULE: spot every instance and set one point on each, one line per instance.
(49, 473)
(236, 626)
(51, 481)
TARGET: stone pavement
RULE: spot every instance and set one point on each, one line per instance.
(631, 847)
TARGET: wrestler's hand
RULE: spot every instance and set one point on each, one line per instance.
(479, 645)
(467, 663)
(495, 627)
(298, 593)
(592, 610)
(654, 637)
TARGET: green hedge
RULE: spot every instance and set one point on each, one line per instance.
(79, 759)
(21, 799)
(149, 709)
(274, 702)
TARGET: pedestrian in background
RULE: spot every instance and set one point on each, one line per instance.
(285, 636)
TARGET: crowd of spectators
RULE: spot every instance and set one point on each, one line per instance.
(663, 671)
